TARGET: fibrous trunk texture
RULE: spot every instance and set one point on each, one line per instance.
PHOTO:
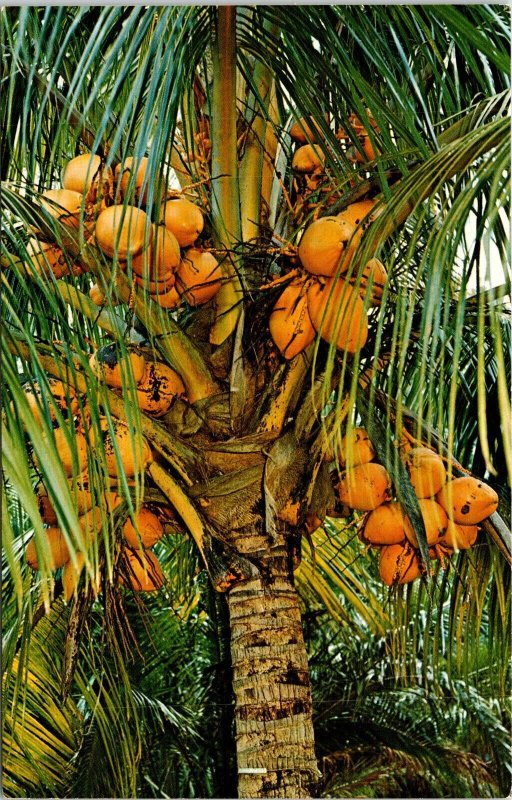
(273, 706)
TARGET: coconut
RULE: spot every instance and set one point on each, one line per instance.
(434, 519)
(143, 571)
(199, 276)
(47, 259)
(131, 177)
(365, 487)
(356, 212)
(45, 506)
(323, 244)
(398, 565)
(122, 231)
(290, 325)
(356, 448)
(147, 530)
(387, 524)
(426, 471)
(58, 549)
(170, 299)
(373, 279)
(64, 205)
(134, 452)
(161, 258)
(460, 537)
(305, 131)
(112, 367)
(308, 158)
(468, 500)
(86, 174)
(99, 298)
(159, 389)
(73, 458)
(184, 219)
(337, 313)
(162, 286)
(63, 397)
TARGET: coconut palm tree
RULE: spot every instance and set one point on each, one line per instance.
(404, 108)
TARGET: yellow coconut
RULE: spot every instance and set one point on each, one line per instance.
(170, 299)
(468, 500)
(147, 530)
(112, 367)
(290, 325)
(64, 205)
(305, 131)
(87, 175)
(161, 258)
(131, 177)
(426, 471)
(60, 395)
(134, 452)
(373, 280)
(198, 277)
(398, 565)
(323, 244)
(435, 521)
(356, 212)
(122, 231)
(58, 550)
(387, 524)
(184, 219)
(73, 457)
(337, 313)
(159, 389)
(143, 571)
(460, 537)
(308, 158)
(356, 448)
(365, 487)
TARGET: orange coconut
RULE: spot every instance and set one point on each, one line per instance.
(398, 565)
(147, 530)
(373, 279)
(308, 158)
(58, 550)
(322, 246)
(289, 323)
(86, 174)
(47, 258)
(64, 205)
(161, 258)
(184, 219)
(143, 571)
(60, 395)
(199, 276)
(305, 131)
(468, 500)
(365, 487)
(337, 313)
(73, 460)
(109, 365)
(387, 524)
(159, 389)
(460, 537)
(434, 519)
(122, 231)
(356, 448)
(426, 471)
(131, 177)
(170, 299)
(134, 452)
(356, 212)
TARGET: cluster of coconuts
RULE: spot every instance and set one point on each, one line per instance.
(451, 509)
(164, 255)
(141, 572)
(327, 297)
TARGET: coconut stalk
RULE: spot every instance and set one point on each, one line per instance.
(225, 188)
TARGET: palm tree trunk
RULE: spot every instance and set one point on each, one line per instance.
(273, 706)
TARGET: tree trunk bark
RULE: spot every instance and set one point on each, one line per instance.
(273, 706)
